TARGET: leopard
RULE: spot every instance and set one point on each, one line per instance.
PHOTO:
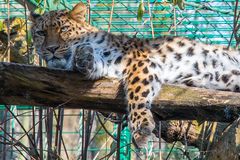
(65, 40)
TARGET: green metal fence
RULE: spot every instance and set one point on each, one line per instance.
(209, 21)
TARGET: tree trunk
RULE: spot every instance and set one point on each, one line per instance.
(197, 133)
(38, 86)
(227, 146)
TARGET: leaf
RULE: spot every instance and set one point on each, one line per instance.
(38, 1)
(175, 2)
(1, 25)
(40, 10)
(29, 38)
(56, 2)
(140, 12)
(181, 4)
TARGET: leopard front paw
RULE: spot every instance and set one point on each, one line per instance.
(143, 135)
(84, 60)
(142, 129)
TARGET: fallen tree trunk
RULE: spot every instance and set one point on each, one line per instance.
(227, 146)
(39, 86)
(193, 133)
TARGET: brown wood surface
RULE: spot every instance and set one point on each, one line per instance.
(39, 86)
(227, 146)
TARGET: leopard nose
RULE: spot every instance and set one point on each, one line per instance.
(52, 49)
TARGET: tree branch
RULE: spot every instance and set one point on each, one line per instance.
(39, 86)
(30, 5)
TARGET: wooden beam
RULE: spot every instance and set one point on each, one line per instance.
(39, 86)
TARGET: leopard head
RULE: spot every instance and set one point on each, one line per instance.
(55, 32)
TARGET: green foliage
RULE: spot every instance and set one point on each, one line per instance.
(141, 8)
(1, 25)
(56, 1)
(140, 12)
(40, 10)
(18, 48)
(29, 38)
(38, 1)
(179, 3)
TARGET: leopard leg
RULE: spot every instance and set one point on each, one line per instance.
(141, 123)
(84, 60)
(142, 87)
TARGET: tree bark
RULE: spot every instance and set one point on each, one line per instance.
(227, 146)
(39, 86)
(197, 133)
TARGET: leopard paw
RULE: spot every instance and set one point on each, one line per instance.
(84, 60)
(142, 130)
(143, 135)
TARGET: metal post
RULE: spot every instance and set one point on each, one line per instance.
(125, 147)
(125, 143)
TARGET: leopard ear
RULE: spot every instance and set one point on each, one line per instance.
(78, 12)
(33, 16)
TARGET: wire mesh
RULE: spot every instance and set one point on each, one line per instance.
(207, 21)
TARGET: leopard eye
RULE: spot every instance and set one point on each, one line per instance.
(64, 29)
(40, 33)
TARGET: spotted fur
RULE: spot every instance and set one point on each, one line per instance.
(66, 41)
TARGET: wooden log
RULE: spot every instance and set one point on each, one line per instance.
(227, 145)
(40, 86)
(193, 133)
